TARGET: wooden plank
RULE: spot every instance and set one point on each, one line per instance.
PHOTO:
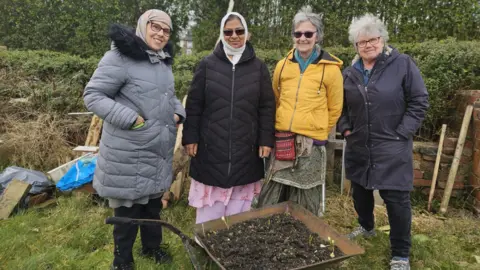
(456, 159)
(331, 155)
(38, 199)
(12, 196)
(81, 113)
(86, 149)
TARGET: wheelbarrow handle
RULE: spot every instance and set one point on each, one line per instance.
(150, 222)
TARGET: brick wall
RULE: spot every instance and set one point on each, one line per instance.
(424, 156)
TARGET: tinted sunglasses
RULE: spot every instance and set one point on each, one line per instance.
(307, 34)
(229, 33)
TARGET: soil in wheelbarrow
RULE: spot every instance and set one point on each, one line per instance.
(275, 242)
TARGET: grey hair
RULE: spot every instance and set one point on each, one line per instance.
(305, 14)
(367, 24)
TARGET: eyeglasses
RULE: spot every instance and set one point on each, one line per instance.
(372, 41)
(157, 28)
(229, 33)
(307, 34)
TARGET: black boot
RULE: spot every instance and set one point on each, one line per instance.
(158, 254)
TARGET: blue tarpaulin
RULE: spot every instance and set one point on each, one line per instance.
(79, 174)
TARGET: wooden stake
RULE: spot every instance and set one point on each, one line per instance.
(437, 165)
(94, 131)
(456, 159)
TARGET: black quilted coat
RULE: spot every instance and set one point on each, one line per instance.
(230, 113)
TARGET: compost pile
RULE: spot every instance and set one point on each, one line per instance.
(275, 242)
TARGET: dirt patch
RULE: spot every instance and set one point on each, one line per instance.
(275, 242)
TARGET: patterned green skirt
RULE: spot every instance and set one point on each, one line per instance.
(301, 183)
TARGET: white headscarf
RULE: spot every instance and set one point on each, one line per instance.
(229, 50)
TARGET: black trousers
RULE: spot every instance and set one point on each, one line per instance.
(399, 216)
(124, 235)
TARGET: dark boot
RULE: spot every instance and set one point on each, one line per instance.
(160, 255)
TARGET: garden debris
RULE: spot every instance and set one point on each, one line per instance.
(46, 204)
(57, 173)
(78, 175)
(12, 197)
(39, 181)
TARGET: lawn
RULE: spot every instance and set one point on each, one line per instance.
(72, 235)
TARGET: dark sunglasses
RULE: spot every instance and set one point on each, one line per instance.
(307, 34)
(229, 33)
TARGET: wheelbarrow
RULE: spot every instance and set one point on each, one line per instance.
(198, 257)
(202, 256)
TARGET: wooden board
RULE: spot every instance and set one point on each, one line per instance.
(12, 196)
(86, 149)
(38, 199)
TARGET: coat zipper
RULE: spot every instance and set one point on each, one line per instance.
(296, 101)
(230, 125)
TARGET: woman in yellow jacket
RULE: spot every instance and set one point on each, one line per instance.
(308, 87)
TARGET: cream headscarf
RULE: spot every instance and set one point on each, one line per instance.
(152, 15)
(229, 50)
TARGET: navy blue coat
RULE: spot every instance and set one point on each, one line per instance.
(383, 116)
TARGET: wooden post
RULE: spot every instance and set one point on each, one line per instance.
(456, 159)
(437, 165)
(331, 155)
(94, 131)
(181, 161)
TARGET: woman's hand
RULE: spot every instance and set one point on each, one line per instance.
(346, 133)
(176, 117)
(264, 151)
(139, 120)
(191, 149)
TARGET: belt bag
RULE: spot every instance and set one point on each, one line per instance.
(285, 146)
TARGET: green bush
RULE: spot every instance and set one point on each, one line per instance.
(55, 81)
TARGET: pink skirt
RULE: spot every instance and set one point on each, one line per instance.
(201, 195)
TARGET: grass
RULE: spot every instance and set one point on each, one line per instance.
(73, 235)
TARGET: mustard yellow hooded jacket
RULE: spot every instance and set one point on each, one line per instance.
(308, 103)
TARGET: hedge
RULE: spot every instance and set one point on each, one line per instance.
(55, 81)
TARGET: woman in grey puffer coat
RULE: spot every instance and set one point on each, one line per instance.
(132, 90)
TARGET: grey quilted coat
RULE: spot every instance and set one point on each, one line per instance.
(133, 163)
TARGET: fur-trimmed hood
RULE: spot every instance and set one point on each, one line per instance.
(129, 44)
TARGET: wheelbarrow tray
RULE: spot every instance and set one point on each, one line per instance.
(313, 223)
